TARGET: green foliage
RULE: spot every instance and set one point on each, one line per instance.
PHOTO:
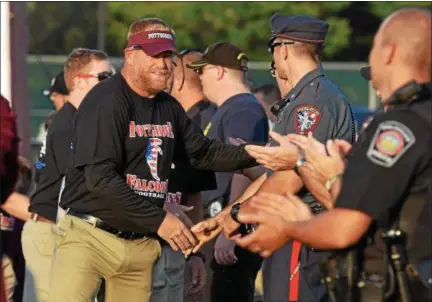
(57, 27)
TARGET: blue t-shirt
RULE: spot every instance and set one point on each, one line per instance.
(240, 116)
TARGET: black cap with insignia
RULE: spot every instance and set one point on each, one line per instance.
(366, 73)
(58, 85)
(304, 29)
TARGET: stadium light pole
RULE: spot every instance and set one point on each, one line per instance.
(101, 26)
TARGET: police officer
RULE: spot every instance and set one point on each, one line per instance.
(387, 181)
(311, 103)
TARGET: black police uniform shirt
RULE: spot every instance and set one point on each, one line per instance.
(122, 151)
(391, 160)
(314, 105)
(240, 116)
(52, 163)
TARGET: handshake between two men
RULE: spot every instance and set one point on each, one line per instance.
(316, 166)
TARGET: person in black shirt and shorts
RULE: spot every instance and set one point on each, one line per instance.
(83, 69)
(127, 133)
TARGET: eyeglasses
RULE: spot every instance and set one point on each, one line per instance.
(200, 71)
(100, 76)
(272, 46)
(272, 69)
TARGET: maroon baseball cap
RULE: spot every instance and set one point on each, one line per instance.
(153, 42)
(222, 54)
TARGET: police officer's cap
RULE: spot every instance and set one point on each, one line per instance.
(298, 28)
(58, 85)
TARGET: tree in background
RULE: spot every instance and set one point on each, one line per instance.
(57, 27)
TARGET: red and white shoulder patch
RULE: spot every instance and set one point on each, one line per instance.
(306, 118)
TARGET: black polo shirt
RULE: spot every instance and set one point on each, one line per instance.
(123, 148)
(240, 116)
(52, 163)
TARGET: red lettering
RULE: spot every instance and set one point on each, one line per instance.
(164, 187)
(130, 180)
(177, 198)
(147, 130)
(139, 130)
(158, 129)
(171, 134)
(150, 186)
(157, 186)
(138, 184)
(132, 129)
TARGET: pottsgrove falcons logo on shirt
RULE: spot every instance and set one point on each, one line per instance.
(306, 119)
(152, 154)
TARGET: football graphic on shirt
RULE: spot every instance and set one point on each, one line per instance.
(152, 153)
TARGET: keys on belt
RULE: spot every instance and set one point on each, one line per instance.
(97, 223)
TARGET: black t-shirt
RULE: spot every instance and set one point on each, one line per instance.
(240, 116)
(391, 161)
(123, 148)
(202, 113)
(184, 179)
(52, 163)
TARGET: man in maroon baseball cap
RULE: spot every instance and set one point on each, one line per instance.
(153, 42)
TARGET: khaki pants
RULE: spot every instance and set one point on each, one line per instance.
(85, 254)
(37, 240)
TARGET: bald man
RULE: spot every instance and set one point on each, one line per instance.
(383, 207)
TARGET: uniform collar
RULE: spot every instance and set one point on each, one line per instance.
(305, 80)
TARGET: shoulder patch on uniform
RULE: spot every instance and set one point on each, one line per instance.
(390, 141)
(306, 118)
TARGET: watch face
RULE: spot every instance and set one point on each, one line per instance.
(215, 208)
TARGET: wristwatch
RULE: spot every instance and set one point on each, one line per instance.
(298, 164)
(234, 212)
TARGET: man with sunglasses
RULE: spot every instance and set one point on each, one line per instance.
(223, 74)
(83, 69)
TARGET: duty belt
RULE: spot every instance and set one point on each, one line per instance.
(97, 223)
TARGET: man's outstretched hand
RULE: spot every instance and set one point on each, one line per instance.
(204, 231)
(274, 215)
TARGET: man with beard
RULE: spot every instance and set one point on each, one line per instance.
(126, 134)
